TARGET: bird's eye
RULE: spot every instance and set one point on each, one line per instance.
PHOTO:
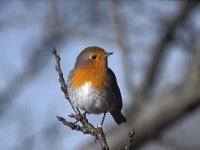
(93, 57)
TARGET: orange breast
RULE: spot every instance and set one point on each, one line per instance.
(97, 76)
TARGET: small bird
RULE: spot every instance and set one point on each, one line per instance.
(92, 85)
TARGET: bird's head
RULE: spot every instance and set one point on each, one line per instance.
(93, 56)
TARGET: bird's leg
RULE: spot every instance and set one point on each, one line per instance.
(104, 115)
(84, 115)
(77, 111)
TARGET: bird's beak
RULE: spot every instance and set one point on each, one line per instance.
(108, 53)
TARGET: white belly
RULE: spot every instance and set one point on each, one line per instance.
(89, 99)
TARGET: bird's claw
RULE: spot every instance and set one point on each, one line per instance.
(78, 117)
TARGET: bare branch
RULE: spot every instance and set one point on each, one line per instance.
(60, 74)
(87, 127)
(129, 142)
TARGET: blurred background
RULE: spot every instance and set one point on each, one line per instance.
(156, 59)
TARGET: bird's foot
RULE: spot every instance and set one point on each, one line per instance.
(79, 117)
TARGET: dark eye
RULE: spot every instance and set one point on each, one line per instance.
(93, 56)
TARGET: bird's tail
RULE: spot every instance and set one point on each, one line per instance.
(118, 117)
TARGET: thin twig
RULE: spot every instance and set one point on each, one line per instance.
(61, 78)
(60, 74)
(87, 127)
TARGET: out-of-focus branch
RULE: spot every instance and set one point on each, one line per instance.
(171, 144)
(193, 79)
(155, 117)
(158, 115)
(86, 128)
(40, 55)
(125, 48)
(168, 36)
(32, 68)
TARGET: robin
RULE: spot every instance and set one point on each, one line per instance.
(92, 85)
